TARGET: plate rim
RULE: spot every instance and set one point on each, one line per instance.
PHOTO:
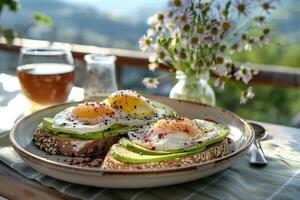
(66, 167)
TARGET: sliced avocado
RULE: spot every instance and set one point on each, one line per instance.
(130, 152)
(112, 131)
(142, 150)
(122, 154)
(139, 149)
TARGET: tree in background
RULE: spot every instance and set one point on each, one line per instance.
(8, 33)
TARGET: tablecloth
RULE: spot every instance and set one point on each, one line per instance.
(280, 179)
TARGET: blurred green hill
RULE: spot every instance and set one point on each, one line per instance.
(86, 25)
(76, 24)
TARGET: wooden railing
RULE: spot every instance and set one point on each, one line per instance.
(280, 76)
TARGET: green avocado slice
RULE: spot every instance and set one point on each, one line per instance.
(122, 154)
(142, 150)
(130, 152)
(115, 130)
(139, 149)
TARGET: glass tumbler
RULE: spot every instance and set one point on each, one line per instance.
(100, 75)
(46, 75)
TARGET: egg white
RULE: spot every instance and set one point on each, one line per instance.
(128, 120)
(176, 141)
(64, 121)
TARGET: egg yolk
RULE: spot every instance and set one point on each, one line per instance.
(171, 126)
(131, 103)
(93, 110)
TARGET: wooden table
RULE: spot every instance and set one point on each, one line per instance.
(15, 186)
(12, 105)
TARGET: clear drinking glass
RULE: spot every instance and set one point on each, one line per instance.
(46, 75)
(100, 76)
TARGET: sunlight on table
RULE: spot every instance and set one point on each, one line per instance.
(14, 105)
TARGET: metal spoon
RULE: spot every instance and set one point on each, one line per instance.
(258, 156)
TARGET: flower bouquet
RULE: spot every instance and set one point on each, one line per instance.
(197, 38)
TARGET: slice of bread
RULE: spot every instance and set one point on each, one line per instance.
(213, 151)
(58, 145)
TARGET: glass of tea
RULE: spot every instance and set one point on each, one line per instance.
(46, 75)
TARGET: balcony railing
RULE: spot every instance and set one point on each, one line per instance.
(279, 76)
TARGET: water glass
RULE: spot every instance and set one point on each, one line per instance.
(100, 75)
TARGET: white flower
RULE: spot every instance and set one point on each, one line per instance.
(152, 20)
(175, 32)
(198, 64)
(243, 6)
(220, 64)
(145, 43)
(219, 83)
(175, 4)
(200, 30)
(195, 36)
(244, 73)
(150, 82)
(193, 41)
(236, 47)
(153, 66)
(265, 37)
(260, 20)
(250, 43)
(221, 70)
(215, 34)
(151, 32)
(181, 55)
(179, 5)
(227, 26)
(200, 7)
(153, 57)
(186, 29)
(155, 19)
(153, 62)
(170, 26)
(184, 18)
(245, 95)
(162, 55)
(268, 5)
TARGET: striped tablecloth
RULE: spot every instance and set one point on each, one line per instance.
(280, 179)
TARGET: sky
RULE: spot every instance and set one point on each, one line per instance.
(120, 7)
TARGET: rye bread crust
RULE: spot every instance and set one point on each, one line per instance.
(213, 151)
(57, 145)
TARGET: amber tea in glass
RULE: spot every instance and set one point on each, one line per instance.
(46, 75)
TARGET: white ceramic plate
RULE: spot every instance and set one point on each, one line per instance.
(241, 134)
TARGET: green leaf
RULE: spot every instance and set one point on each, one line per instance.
(9, 35)
(13, 5)
(226, 10)
(41, 18)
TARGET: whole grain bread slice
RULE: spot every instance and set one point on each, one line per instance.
(58, 145)
(213, 151)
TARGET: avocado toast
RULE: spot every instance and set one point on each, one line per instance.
(58, 142)
(91, 128)
(169, 144)
(131, 132)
